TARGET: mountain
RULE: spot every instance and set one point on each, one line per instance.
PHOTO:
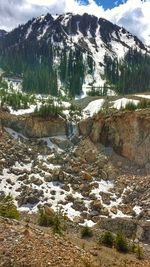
(71, 52)
(2, 33)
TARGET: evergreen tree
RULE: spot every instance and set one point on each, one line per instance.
(8, 208)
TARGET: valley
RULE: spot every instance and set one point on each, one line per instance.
(74, 144)
(81, 176)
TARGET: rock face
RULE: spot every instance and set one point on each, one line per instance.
(34, 127)
(128, 133)
(129, 227)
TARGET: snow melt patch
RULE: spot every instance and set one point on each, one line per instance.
(93, 107)
(88, 223)
(50, 144)
(103, 186)
(137, 209)
(69, 211)
(22, 166)
(15, 134)
(121, 103)
(144, 96)
(23, 111)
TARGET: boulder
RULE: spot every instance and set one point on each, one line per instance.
(35, 180)
(96, 205)
(48, 178)
(58, 175)
(114, 209)
(87, 151)
(29, 195)
(86, 176)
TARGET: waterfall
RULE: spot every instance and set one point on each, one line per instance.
(72, 129)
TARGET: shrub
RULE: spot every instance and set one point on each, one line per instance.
(107, 239)
(144, 103)
(46, 110)
(53, 221)
(73, 107)
(8, 208)
(132, 247)
(57, 226)
(121, 243)
(44, 219)
(139, 252)
(86, 232)
(130, 106)
(16, 100)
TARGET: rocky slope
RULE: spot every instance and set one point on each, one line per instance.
(27, 244)
(32, 246)
(88, 181)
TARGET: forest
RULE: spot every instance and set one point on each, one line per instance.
(49, 69)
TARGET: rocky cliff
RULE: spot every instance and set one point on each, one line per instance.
(127, 132)
(34, 127)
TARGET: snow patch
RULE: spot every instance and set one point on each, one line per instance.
(15, 134)
(22, 111)
(88, 223)
(137, 209)
(121, 103)
(93, 107)
(144, 96)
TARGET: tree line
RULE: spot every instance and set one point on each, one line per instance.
(128, 75)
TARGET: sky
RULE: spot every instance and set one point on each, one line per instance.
(134, 15)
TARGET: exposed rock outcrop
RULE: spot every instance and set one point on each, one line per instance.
(130, 227)
(128, 132)
(33, 126)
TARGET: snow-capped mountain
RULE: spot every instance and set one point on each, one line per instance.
(69, 43)
(84, 30)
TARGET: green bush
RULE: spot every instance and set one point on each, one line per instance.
(16, 100)
(46, 110)
(54, 221)
(44, 219)
(8, 208)
(131, 106)
(121, 243)
(107, 239)
(139, 252)
(144, 103)
(57, 226)
(86, 232)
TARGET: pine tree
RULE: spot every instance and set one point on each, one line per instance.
(8, 208)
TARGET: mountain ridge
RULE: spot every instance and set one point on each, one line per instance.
(68, 44)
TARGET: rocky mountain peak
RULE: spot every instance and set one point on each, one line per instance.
(71, 25)
(78, 50)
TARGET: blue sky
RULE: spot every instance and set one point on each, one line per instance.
(107, 4)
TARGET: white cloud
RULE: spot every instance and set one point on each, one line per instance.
(133, 15)
(74, 6)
